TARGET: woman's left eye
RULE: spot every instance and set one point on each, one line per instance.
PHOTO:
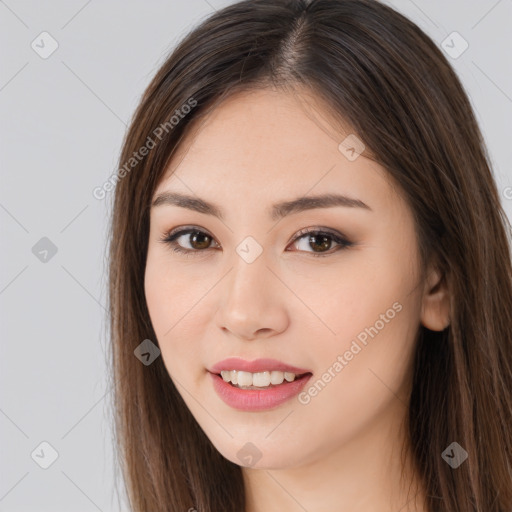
(200, 241)
(321, 238)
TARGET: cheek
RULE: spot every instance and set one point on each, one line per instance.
(367, 329)
(171, 293)
(376, 294)
(348, 297)
(373, 316)
(362, 373)
(176, 316)
(158, 298)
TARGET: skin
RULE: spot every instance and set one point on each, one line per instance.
(340, 451)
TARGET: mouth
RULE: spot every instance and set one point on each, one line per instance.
(250, 398)
(260, 380)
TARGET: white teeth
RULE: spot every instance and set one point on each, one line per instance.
(244, 379)
(259, 379)
(276, 377)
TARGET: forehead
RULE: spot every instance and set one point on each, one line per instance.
(266, 144)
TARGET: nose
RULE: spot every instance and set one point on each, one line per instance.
(253, 300)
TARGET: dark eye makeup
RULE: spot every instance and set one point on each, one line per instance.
(317, 236)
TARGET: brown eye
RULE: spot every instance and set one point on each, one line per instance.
(198, 241)
(321, 242)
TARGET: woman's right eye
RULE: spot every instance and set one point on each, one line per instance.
(200, 240)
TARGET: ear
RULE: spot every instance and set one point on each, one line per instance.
(435, 308)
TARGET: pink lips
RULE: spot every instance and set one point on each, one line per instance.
(256, 399)
(258, 365)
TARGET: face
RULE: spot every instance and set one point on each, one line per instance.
(332, 289)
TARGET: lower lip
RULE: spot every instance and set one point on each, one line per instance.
(254, 399)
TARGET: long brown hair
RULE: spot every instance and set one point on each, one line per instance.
(383, 76)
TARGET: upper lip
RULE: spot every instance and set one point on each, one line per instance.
(258, 365)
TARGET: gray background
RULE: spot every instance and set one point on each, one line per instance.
(62, 123)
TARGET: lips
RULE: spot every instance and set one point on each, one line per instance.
(257, 400)
(258, 365)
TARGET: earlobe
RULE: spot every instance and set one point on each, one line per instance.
(435, 309)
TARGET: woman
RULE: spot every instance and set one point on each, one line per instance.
(310, 262)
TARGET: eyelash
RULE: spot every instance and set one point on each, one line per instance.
(170, 237)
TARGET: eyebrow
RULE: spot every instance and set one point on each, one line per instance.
(276, 211)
